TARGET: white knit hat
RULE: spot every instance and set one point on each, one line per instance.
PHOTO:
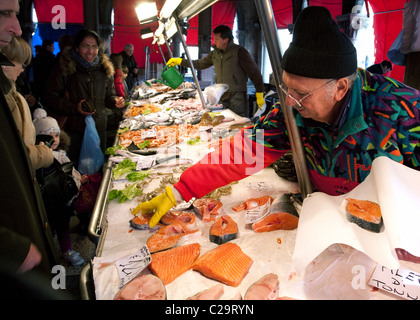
(44, 124)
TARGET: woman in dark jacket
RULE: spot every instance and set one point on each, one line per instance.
(83, 77)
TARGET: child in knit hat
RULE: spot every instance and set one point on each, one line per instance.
(59, 213)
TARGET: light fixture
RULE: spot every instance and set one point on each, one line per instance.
(146, 33)
(168, 8)
(146, 12)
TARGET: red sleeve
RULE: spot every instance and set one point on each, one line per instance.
(118, 82)
(236, 159)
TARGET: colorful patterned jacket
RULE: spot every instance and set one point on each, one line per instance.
(382, 119)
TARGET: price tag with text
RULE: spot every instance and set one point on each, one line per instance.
(148, 134)
(130, 266)
(145, 162)
(401, 282)
(256, 214)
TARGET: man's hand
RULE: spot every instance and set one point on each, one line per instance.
(260, 99)
(33, 258)
(174, 62)
(160, 205)
(80, 109)
(119, 102)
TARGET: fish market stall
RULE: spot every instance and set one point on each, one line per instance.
(163, 134)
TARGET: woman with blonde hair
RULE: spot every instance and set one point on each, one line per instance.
(19, 53)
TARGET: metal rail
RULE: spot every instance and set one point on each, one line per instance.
(95, 227)
(187, 52)
(269, 28)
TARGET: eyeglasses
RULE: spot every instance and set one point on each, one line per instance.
(299, 102)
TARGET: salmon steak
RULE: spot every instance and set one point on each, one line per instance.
(141, 222)
(170, 264)
(266, 288)
(223, 230)
(207, 208)
(364, 213)
(144, 287)
(213, 293)
(188, 219)
(252, 203)
(226, 263)
(166, 237)
(276, 221)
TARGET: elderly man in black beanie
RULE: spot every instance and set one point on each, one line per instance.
(346, 117)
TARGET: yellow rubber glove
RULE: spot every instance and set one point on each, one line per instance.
(260, 99)
(161, 204)
(174, 62)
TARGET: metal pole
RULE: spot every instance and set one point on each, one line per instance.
(147, 63)
(184, 44)
(269, 28)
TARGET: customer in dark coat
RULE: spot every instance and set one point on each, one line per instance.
(25, 236)
(131, 64)
(83, 73)
(42, 66)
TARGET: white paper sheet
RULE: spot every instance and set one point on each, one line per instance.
(395, 187)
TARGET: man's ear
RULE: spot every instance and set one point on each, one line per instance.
(342, 86)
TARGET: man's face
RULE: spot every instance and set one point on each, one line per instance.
(220, 42)
(129, 51)
(318, 105)
(9, 24)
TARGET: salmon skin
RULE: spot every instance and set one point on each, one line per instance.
(185, 218)
(170, 264)
(223, 230)
(207, 208)
(252, 203)
(166, 237)
(364, 213)
(226, 263)
(266, 288)
(276, 221)
(141, 222)
(144, 287)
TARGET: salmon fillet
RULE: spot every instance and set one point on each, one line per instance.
(170, 264)
(252, 203)
(275, 221)
(226, 263)
(167, 237)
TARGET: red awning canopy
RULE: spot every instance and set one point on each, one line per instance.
(388, 17)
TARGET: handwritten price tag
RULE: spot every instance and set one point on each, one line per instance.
(149, 134)
(256, 214)
(145, 162)
(401, 282)
(130, 266)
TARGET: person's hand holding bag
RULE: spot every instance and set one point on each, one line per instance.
(85, 108)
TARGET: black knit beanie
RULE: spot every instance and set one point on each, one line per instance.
(319, 49)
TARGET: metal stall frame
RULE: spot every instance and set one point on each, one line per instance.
(269, 28)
